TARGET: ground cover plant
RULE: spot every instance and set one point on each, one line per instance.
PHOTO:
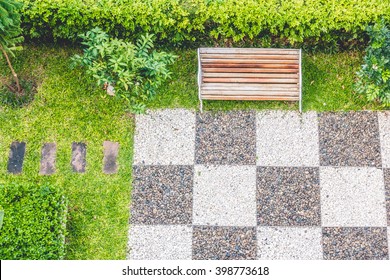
(68, 108)
(34, 222)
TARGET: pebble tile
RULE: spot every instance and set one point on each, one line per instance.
(289, 243)
(79, 152)
(355, 243)
(16, 157)
(162, 195)
(223, 243)
(165, 137)
(288, 196)
(352, 196)
(48, 159)
(387, 193)
(384, 132)
(287, 139)
(111, 149)
(349, 139)
(160, 242)
(225, 195)
(226, 138)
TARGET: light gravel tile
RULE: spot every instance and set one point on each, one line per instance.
(355, 243)
(289, 243)
(160, 242)
(223, 243)
(287, 139)
(165, 137)
(224, 195)
(386, 173)
(384, 133)
(352, 196)
(288, 196)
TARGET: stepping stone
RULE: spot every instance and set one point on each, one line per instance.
(48, 159)
(110, 165)
(16, 157)
(79, 152)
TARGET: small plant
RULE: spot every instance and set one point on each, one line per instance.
(133, 72)
(10, 31)
(374, 76)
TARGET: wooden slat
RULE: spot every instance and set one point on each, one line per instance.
(250, 93)
(251, 75)
(247, 51)
(251, 80)
(249, 70)
(250, 56)
(235, 85)
(241, 97)
(250, 65)
(248, 61)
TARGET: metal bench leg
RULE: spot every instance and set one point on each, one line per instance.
(201, 105)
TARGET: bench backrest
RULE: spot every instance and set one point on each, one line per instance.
(250, 74)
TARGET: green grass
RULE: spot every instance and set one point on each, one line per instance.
(68, 107)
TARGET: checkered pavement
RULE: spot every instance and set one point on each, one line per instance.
(260, 185)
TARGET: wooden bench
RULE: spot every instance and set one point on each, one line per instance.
(249, 74)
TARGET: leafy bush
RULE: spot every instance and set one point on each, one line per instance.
(374, 76)
(33, 224)
(131, 71)
(248, 22)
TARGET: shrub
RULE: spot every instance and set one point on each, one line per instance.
(248, 22)
(373, 79)
(131, 71)
(33, 224)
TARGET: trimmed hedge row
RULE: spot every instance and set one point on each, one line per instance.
(207, 21)
(33, 224)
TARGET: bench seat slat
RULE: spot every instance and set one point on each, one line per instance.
(251, 75)
(258, 97)
(248, 85)
(250, 65)
(248, 70)
(251, 80)
(248, 51)
(250, 93)
(231, 60)
(251, 56)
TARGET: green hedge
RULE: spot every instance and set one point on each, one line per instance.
(208, 21)
(33, 224)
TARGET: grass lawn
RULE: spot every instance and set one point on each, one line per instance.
(68, 107)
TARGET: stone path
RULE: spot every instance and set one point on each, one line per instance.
(48, 157)
(261, 185)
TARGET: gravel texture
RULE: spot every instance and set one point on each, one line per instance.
(384, 132)
(288, 196)
(352, 196)
(162, 195)
(48, 159)
(355, 243)
(160, 242)
(111, 149)
(226, 138)
(387, 193)
(225, 195)
(287, 139)
(224, 243)
(165, 137)
(289, 243)
(349, 139)
(16, 157)
(79, 152)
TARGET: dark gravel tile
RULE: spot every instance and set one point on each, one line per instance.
(288, 196)
(79, 152)
(226, 138)
(386, 173)
(48, 159)
(354, 243)
(16, 157)
(223, 243)
(349, 139)
(162, 195)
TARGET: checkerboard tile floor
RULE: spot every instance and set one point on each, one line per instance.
(260, 185)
